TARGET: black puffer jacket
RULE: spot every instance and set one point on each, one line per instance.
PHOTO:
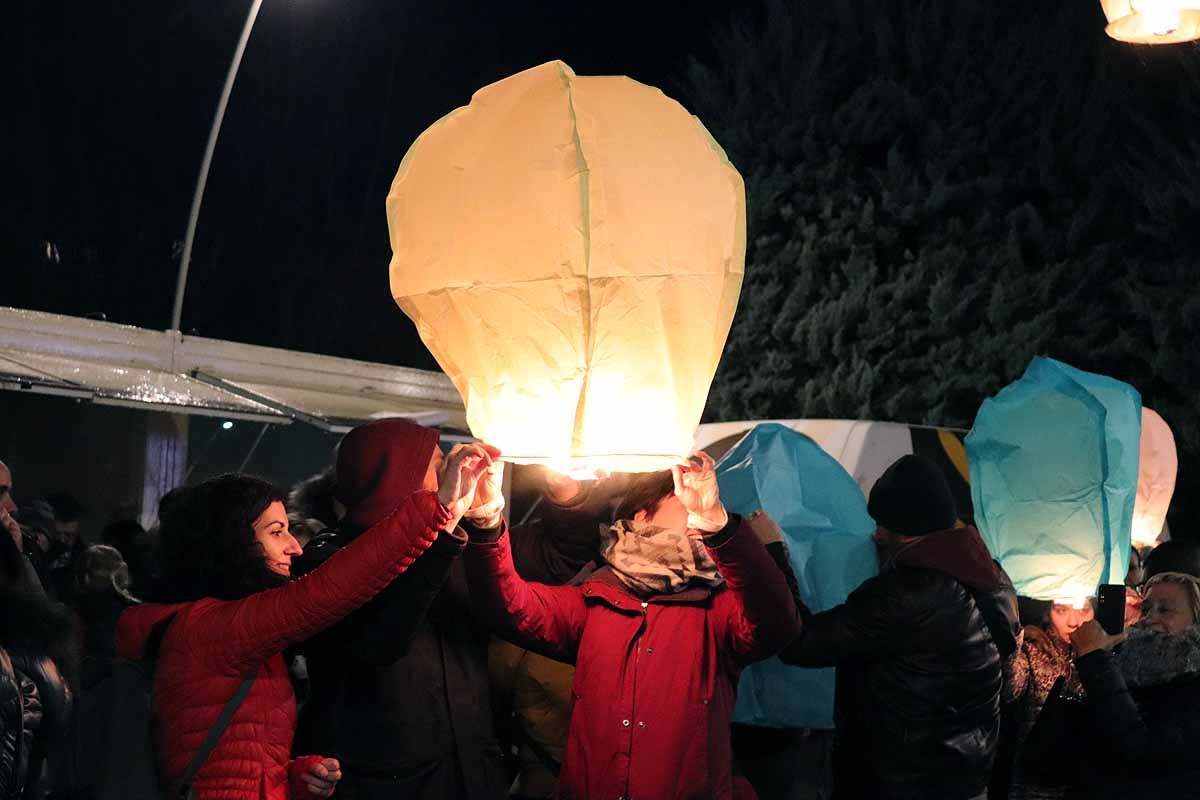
(918, 653)
(35, 698)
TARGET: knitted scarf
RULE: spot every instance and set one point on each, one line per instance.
(1149, 658)
(650, 560)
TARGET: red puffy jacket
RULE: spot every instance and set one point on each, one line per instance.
(655, 679)
(211, 644)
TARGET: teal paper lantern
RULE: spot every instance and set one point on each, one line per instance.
(827, 530)
(1054, 472)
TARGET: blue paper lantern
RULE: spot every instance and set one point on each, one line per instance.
(827, 530)
(1054, 471)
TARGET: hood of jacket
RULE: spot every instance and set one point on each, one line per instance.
(378, 465)
(959, 552)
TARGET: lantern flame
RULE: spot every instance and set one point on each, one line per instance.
(1153, 21)
(1161, 18)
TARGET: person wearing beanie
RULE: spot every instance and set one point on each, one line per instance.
(918, 650)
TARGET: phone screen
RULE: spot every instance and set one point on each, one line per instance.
(1110, 608)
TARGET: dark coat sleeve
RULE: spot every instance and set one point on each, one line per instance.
(381, 632)
(1120, 729)
(758, 612)
(874, 621)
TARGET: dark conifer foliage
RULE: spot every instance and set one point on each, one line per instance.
(940, 190)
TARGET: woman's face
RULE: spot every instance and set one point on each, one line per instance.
(1166, 609)
(1064, 619)
(278, 544)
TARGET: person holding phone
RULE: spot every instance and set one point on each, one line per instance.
(1046, 655)
(1143, 700)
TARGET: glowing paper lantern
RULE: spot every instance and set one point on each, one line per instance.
(1054, 472)
(825, 524)
(1157, 468)
(571, 250)
(1152, 21)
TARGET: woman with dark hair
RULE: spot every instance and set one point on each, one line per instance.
(227, 555)
(1045, 656)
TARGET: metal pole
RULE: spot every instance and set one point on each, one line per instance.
(190, 237)
(254, 447)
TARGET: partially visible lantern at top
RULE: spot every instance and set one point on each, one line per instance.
(1152, 21)
(1157, 470)
(571, 250)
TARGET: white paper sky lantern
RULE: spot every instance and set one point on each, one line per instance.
(1152, 21)
(571, 250)
(1157, 468)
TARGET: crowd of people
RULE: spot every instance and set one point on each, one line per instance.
(384, 630)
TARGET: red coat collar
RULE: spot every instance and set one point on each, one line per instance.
(605, 587)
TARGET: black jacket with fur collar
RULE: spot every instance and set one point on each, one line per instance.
(36, 653)
(1143, 715)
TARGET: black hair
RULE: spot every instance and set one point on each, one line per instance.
(1175, 555)
(645, 493)
(207, 539)
(312, 498)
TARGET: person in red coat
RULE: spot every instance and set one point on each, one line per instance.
(659, 636)
(228, 556)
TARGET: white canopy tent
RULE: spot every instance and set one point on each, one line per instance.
(164, 371)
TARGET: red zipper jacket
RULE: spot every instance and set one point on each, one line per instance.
(655, 678)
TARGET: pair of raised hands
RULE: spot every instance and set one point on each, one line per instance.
(469, 484)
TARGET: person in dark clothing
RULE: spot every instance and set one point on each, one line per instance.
(1137, 732)
(66, 546)
(918, 650)
(132, 542)
(1176, 555)
(36, 659)
(399, 689)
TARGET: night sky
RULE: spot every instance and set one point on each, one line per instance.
(113, 103)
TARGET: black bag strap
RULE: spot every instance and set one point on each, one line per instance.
(183, 787)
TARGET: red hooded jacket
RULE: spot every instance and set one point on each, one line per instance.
(655, 679)
(211, 644)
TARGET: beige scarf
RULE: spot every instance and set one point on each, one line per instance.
(651, 560)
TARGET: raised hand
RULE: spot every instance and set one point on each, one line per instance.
(459, 477)
(487, 511)
(696, 488)
(1090, 637)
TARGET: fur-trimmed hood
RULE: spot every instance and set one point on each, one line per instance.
(32, 624)
(1149, 658)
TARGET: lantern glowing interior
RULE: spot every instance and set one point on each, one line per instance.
(1157, 468)
(1152, 21)
(1054, 471)
(571, 250)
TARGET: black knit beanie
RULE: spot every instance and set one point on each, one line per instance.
(913, 498)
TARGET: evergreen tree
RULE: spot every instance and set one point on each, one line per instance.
(940, 190)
